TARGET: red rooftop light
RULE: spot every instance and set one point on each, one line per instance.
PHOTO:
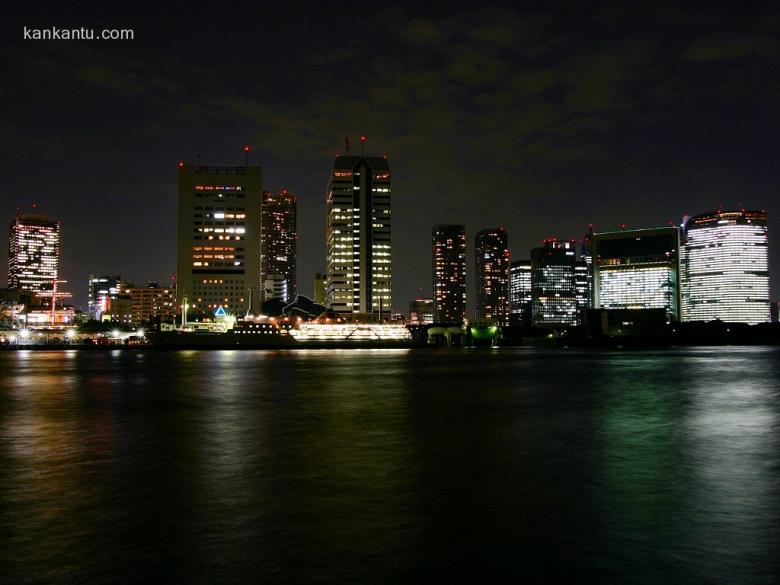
(181, 163)
(246, 148)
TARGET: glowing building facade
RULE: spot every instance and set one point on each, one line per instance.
(33, 253)
(449, 273)
(520, 293)
(219, 238)
(279, 246)
(102, 289)
(359, 258)
(421, 311)
(492, 272)
(725, 267)
(554, 285)
(637, 269)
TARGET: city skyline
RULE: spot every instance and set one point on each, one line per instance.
(636, 124)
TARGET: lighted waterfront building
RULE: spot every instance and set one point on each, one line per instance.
(492, 275)
(582, 284)
(219, 238)
(33, 253)
(637, 269)
(101, 290)
(421, 311)
(725, 267)
(358, 238)
(520, 293)
(150, 303)
(553, 284)
(279, 246)
(449, 273)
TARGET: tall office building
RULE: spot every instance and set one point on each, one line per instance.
(279, 246)
(33, 253)
(421, 311)
(150, 303)
(219, 236)
(449, 273)
(582, 283)
(637, 269)
(358, 238)
(725, 267)
(520, 293)
(554, 284)
(491, 255)
(102, 290)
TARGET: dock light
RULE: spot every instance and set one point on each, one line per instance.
(71, 333)
(24, 333)
(140, 333)
(115, 333)
(12, 338)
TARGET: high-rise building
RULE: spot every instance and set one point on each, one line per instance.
(582, 282)
(492, 275)
(421, 311)
(449, 273)
(554, 284)
(520, 293)
(637, 269)
(279, 247)
(219, 236)
(320, 289)
(102, 289)
(33, 253)
(586, 258)
(150, 303)
(358, 236)
(725, 267)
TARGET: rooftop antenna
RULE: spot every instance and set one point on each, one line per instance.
(363, 144)
(346, 145)
(246, 155)
(197, 159)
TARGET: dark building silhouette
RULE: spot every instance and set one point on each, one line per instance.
(278, 256)
(449, 273)
(492, 275)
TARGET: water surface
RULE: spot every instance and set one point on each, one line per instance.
(390, 466)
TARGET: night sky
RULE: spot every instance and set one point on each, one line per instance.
(542, 119)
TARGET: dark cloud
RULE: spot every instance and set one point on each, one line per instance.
(541, 119)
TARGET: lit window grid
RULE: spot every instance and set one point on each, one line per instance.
(33, 262)
(726, 273)
(647, 287)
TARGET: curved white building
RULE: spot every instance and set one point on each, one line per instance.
(725, 267)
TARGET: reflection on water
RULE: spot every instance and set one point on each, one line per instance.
(390, 466)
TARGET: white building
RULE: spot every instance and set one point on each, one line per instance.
(725, 267)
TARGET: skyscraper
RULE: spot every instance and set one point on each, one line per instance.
(492, 275)
(219, 235)
(637, 269)
(449, 273)
(102, 290)
(33, 253)
(279, 246)
(358, 238)
(520, 293)
(553, 284)
(725, 267)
